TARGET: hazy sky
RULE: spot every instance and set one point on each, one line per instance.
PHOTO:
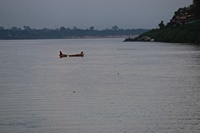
(86, 13)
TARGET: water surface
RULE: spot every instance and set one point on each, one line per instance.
(115, 88)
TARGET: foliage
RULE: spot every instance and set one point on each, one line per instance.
(197, 8)
(62, 32)
(184, 27)
(188, 33)
(161, 25)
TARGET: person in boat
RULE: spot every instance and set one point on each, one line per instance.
(60, 53)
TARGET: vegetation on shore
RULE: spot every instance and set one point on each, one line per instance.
(62, 33)
(184, 27)
(188, 33)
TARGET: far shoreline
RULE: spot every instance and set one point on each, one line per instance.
(84, 37)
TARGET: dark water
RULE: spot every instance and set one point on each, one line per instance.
(116, 88)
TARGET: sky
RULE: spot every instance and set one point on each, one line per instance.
(101, 14)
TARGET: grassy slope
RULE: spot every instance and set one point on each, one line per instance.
(188, 33)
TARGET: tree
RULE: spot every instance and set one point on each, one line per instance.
(14, 29)
(161, 25)
(196, 4)
(92, 28)
(75, 28)
(62, 28)
(115, 27)
(27, 28)
(1, 28)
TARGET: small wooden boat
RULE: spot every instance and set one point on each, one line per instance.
(76, 55)
(71, 55)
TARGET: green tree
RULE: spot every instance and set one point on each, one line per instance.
(115, 27)
(62, 28)
(161, 25)
(197, 8)
(92, 28)
(27, 28)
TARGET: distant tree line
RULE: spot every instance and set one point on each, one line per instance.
(29, 33)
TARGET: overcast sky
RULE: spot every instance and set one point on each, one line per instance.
(83, 14)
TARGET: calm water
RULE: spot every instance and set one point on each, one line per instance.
(116, 88)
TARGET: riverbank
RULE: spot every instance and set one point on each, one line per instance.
(184, 27)
(97, 37)
(188, 33)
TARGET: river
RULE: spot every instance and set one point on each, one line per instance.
(117, 87)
